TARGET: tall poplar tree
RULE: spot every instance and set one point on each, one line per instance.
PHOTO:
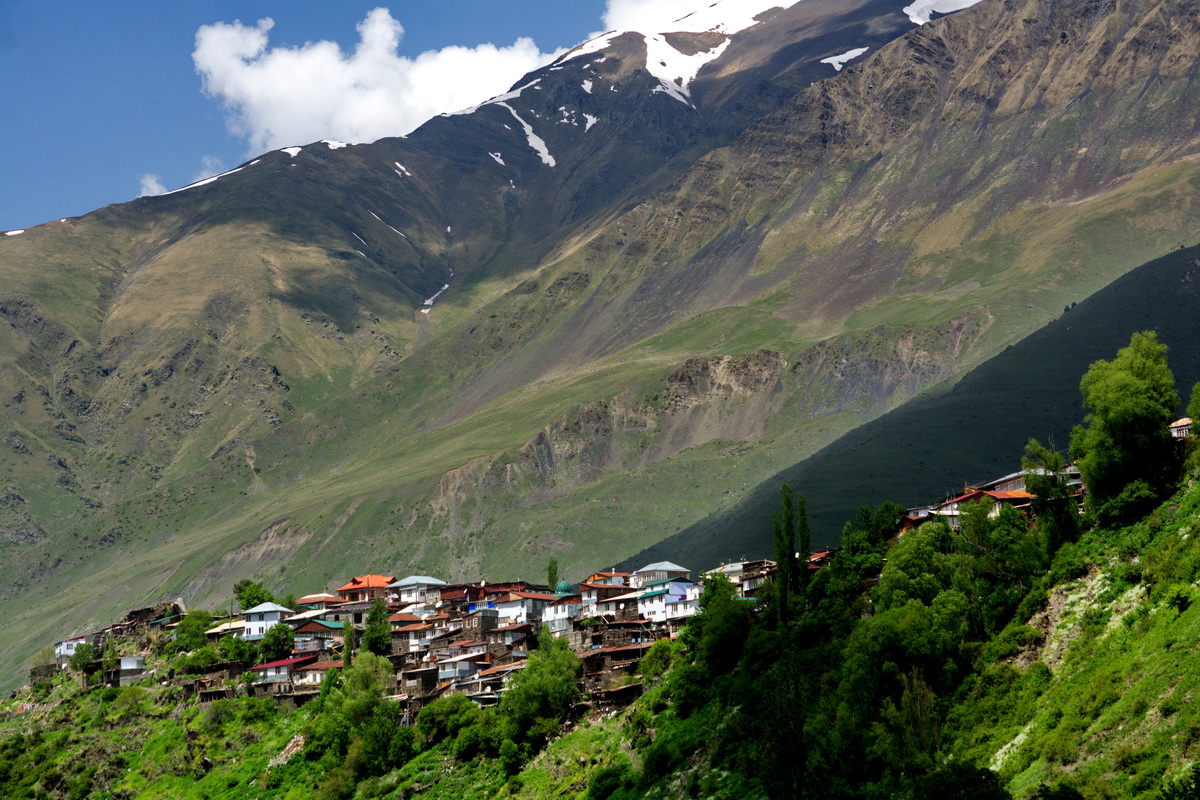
(792, 542)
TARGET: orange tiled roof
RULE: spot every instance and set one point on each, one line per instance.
(1013, 494)
(368, 582)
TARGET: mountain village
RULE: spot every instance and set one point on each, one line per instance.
(471, 638)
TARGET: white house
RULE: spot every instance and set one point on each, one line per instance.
(314, 673)
(746, 575)
(462, 666)
(66, 648)
(686, 606)
(414, 588)
(652, 605)
(418, 635)
(659, 570)
(669, 598)
(612, 606)
(592, 594)
(262, 618)
(522, 607)
(557, 616)
(282, 669)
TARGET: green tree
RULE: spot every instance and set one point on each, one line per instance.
(1124, 438)
(377, 637)
(348, 634)
(443, 719)
(552, 573)
(540, 695)
(719, 630)
(792, 543)
(110, 658)
(277, 642)
(803, 542)
(1047, 480)
(235, 648)
(84, 654)
(190, 634)
(251, 593)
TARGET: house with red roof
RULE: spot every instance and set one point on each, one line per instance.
(311, 602)
(365, 588)
(610, 577)
(951, 510)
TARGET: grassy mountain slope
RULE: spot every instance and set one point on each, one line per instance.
(237, 379)
(972, 430)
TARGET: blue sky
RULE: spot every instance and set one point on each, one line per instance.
(98, 96)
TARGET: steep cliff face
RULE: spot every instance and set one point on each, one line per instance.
(703, 400)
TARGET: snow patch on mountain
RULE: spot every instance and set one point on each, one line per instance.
(674, 70)
(839, 61)
(291, 151)
(376, 216)
(14, 233)
(587, 86)
(922, 11)
(207, 181)
(590, 46)
(401, 169)
(499, 99)
(590, 122)
(334, 145)
(498, 158)
(429, 302)
(536, 142)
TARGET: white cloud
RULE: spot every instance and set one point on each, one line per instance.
(150, 185)
(279, 96)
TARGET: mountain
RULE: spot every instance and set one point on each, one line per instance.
(578, 318)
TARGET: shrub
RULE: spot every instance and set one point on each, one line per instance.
(608, 780)
(658, 659)
(443, 719)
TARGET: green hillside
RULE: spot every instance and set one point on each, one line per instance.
(1004, 658)
(237, 380)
